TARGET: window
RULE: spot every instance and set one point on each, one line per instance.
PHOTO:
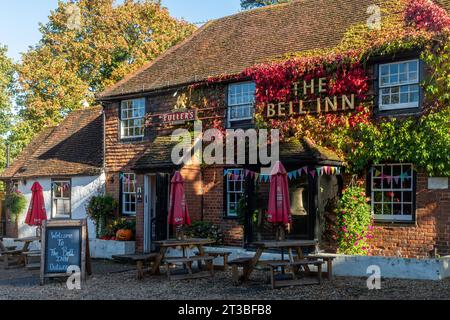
(241, 97)
(132, 115)
(393, 192)
(399, 85)
(235, 190)
(61, 191)
(129, 194)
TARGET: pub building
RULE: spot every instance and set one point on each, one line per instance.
(196, 80)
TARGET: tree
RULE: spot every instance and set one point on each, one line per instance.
(86, 46)
(249, 4)
(7, 69)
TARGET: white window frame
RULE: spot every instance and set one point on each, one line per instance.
(239, 192)
(127, 192)
(391, 217)
(408, 105)
(128, 105)
(246, 104)
(61, 198)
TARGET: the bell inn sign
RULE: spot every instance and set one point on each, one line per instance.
(300, 106)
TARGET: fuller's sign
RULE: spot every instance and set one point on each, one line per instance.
(302, 104)
(179, 116)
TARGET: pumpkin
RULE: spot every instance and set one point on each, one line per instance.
(124, 235)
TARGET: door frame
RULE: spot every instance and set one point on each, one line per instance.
(149, 195)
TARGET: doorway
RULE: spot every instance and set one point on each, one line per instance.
(156, 206)
(149, 212)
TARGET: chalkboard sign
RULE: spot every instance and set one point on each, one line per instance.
(64, 244)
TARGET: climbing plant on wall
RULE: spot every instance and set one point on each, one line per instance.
(356, 135)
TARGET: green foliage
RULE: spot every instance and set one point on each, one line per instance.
(354, 222)
(120, 224)
(249, 4)
(100, 208)
(74, 61)
(423, 141)
(7, 69)
(204, 230)
(16, 203)
(242, 211)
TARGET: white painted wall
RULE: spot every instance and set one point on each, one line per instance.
(83, 188)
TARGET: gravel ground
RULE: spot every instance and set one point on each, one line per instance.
(113, 281)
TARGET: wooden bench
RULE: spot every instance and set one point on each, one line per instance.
(236, 264)
(32, 260)
(187, 264)
(295, 267)
(10, 256)
(219, 254)
(329, 261)
(139, 259)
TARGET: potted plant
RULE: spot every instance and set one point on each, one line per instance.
(99, 209)
(16, 203)
(122, 229)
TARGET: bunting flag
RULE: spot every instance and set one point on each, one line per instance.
(292, 175)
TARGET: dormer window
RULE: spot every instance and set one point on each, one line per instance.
(399, 85)
(241, 100)
(132, 119)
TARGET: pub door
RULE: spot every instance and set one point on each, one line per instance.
(156, 210)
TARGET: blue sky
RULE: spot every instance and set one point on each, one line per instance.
(19, 19)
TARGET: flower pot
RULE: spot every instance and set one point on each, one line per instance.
(124, 235)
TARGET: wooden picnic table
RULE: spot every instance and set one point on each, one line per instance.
(183, 244)
(27, 242)
(292, 246)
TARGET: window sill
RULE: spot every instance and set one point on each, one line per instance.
(398, 112)
(230, 218)
(131, 140)
(399, 224)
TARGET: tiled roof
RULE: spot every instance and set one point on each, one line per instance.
(158, 154)
(305, 151)
(229, 45)
(71, 149)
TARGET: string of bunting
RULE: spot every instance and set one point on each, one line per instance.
(404, 176)
(239, 174)
(125, 178)
(58, 186)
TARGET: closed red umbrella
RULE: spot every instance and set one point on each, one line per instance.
(279, 211)
(36, 211)
(178, 210)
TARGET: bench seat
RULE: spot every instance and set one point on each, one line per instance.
(329, 261)
(139, 259)
(187, 263)
(295, 268)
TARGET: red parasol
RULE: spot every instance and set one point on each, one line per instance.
(178, 210)
(36, 211)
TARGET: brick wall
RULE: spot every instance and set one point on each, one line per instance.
(429, 235)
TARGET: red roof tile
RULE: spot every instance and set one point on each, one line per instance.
(73, 148)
